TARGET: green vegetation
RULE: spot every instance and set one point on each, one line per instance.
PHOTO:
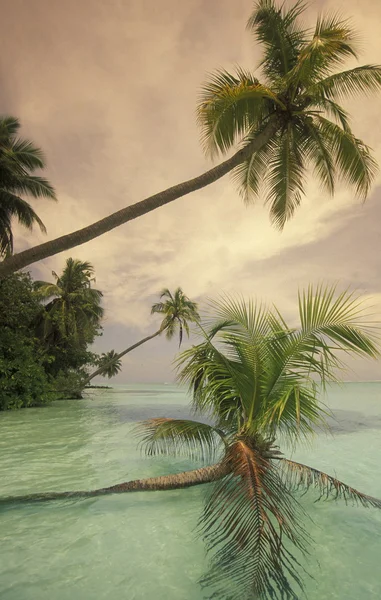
(299, 93)
(286, 122)
(259, 380)
(109, 364)
(24, 381)
(71, 317)
(45, 332)
(18, 159)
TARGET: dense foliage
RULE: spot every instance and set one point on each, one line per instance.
(71, 317)
(23, 378)
(45, 333)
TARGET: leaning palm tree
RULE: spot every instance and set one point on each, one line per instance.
(286, 122)
(18, 160)
(178, 312)
(73, 309)
(257, 380)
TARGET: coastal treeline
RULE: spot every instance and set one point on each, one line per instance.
(46, 330)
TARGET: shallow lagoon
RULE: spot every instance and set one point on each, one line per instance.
(142, 546)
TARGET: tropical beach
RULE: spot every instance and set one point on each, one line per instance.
(232, 257)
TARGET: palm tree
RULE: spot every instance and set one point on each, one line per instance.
(178, 312)
(257, 380)
(110, 363)
(73, 310)
(286, 123)
(18, 159)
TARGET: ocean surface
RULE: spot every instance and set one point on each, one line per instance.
(143, 546)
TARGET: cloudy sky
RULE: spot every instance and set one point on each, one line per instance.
(108, 90)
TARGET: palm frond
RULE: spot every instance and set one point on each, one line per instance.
(9, 126)
(246, 518)
(333, 42)
(19, 208)
(250, 174)
(302, 477)
(285, 178)
(216, 384)
(157, 308)
(360, 80)
(354, 162)
(318, 152)
(47, 290)
(338, 317)
(229, 107)
(38, 187)
(6, 235)
(278, 31)
(12, 206)
(292, 408)
(333, 110)
(111, 364)
(26, 154)
(165, 293)
(180, 437)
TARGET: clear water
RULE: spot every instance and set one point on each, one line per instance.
(142, 546)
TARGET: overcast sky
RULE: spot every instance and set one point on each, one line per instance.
(108, 90)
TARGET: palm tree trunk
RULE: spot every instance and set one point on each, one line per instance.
(65, 242)
(100, 369)
(153, 484)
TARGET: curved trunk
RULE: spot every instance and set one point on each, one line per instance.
(152, 484)
(100, 369)
(65, 242)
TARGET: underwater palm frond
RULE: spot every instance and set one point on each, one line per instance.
(246, 518)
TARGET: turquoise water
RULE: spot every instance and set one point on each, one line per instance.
(142, 546)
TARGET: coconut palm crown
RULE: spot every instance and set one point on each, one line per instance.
(74, 306)
(178, 312)
(110, 364)
(19, 158)
(259, 380)
(299, 91)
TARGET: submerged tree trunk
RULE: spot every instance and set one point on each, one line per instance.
(118, 356)
(65, 242)
(153, 484)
